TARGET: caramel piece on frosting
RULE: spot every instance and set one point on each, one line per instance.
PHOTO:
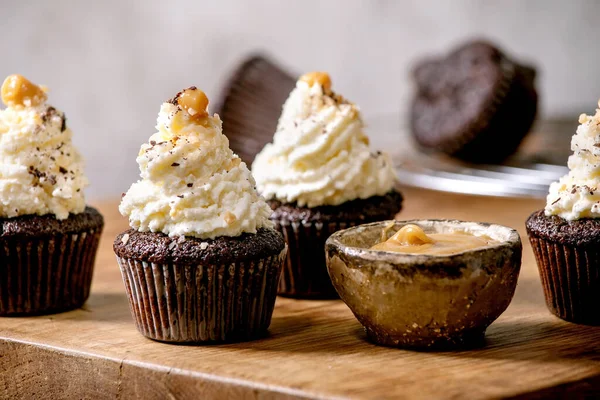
(194, 101)
(229, 218)
(322, 78)
(235, 161)
(19, 91)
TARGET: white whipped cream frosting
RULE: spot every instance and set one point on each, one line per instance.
(41, 172)
(192, 183)
(320, 154)
(577, 194)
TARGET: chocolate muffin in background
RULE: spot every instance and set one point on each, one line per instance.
(201, 262)
(476, 103)
(565, 236)
(319, 176)
(48, 237)
(251, 105)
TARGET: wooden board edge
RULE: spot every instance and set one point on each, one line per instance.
(31, 370)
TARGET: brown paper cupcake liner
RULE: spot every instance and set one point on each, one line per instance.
(305, 271)
(251, 105)
(202, 303)
(570, 278)
(46, 275)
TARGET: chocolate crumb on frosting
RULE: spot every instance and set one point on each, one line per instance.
(37, 175)
(50, 112)
(174, 99)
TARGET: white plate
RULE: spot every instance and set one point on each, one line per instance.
(540, 160)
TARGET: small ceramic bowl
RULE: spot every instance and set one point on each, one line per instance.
(424, 301)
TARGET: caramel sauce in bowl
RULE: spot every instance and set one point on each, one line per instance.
(411, 239)
(425, 283)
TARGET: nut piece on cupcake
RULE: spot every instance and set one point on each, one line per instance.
(565, 236)
(475, 103)
(201, 261)
(319, 175)
(42, 207)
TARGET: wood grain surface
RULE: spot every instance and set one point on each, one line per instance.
(315, 349)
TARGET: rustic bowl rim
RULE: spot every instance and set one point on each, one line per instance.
(513, 239)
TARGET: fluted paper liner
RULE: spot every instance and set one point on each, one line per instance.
(202, 303)
(305, 271)
(570, 278)
(46, 275)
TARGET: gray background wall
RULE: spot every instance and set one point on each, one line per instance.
(110, 64)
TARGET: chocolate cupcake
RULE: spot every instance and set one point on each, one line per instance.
(49, 237)
(475, 104)
(565, 236)
(201, 262)
(319, 175)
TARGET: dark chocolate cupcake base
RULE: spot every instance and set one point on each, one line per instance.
(307, 229)
(47, 264)
(191, 290)
(568, 257)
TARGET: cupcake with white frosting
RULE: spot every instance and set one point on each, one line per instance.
(49, 237)
(319, 175)
(201, 261)
(565, 236)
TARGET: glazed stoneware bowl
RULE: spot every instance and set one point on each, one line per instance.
(424, 301)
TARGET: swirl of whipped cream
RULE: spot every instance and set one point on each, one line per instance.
(41, 172)
(577, 194)
(192, 183)
(320, 154)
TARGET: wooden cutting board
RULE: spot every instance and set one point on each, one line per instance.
(316, 349)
